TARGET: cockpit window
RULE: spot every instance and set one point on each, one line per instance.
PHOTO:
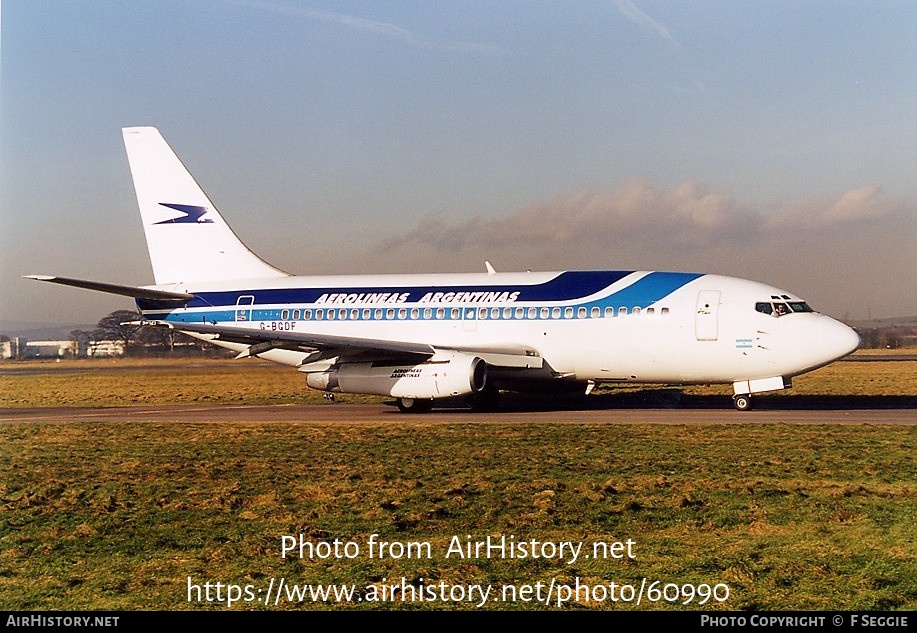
(781, 308)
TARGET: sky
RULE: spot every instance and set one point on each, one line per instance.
(775, 141)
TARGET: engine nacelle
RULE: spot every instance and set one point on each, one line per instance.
(443, 375)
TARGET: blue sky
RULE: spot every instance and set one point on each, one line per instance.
(769, 140)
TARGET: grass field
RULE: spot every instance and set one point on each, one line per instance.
(126, 382)
(121, 515)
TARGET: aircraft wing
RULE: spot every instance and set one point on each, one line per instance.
(325, 346)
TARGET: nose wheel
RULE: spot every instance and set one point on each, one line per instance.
(742, 402)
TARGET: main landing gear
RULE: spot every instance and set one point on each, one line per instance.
(413, 405)
(484, 401)
(742, 402)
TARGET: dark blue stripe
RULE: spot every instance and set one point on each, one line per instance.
(650, 289)
(565, 287)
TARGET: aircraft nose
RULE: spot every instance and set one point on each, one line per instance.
(836, 340)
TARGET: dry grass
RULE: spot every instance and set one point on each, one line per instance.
(118, 516)
(123, 382)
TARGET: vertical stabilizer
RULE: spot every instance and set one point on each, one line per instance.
(187, 237)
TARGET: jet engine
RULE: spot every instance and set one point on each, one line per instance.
(448, 374)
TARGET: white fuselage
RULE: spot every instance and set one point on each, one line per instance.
(641, 327)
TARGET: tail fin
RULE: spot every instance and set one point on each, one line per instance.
(187, 238)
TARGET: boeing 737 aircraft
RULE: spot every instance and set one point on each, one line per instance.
(423, 337)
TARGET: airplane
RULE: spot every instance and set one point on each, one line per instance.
(421, 338)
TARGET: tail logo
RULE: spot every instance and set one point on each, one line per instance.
(192, 214)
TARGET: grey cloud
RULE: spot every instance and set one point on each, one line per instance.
(850, 253)
(686, 216)
(856, 205)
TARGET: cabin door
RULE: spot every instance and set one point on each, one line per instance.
(706, 327)
(244, 308)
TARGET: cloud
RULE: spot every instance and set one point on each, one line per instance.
(856, 205)
(687, 216)
(851, 253)
(630, 11)
(383, 29)
(691, 215)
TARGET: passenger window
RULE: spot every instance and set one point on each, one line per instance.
(307, 315)
(622, 311)
(454, 313)
(555, 313)
(507, 313)
(390, 313)
(354, 314)
(532, 313)
(581, 313)
(415, 313)
(440, 313)
(284, 315)
(609, 312)
(596, 312)
(651, 311)
(636, 310)
(377, 313)
(427, 312)
(366, 314)
(296, 315)
(520, 313)
(544, 313)
(495, 313)
(568, 312)
(402, 313)
(665, 311)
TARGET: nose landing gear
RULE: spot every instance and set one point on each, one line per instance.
(742, 402)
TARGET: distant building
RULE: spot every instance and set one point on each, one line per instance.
(9, 348)
(97, 349)
(19, 348)
(44, 349)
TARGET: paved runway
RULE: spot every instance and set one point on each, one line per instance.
(332, 413)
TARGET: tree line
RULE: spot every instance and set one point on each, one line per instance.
(139, 340)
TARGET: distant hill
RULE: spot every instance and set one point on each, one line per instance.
(910, 321)
(898, 332)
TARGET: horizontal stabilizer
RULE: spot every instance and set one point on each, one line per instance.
(115, 289)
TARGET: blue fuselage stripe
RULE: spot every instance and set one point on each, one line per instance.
(566, 288)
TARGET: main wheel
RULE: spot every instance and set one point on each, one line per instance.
(742, 402)
(487, 400)
(413, 405)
